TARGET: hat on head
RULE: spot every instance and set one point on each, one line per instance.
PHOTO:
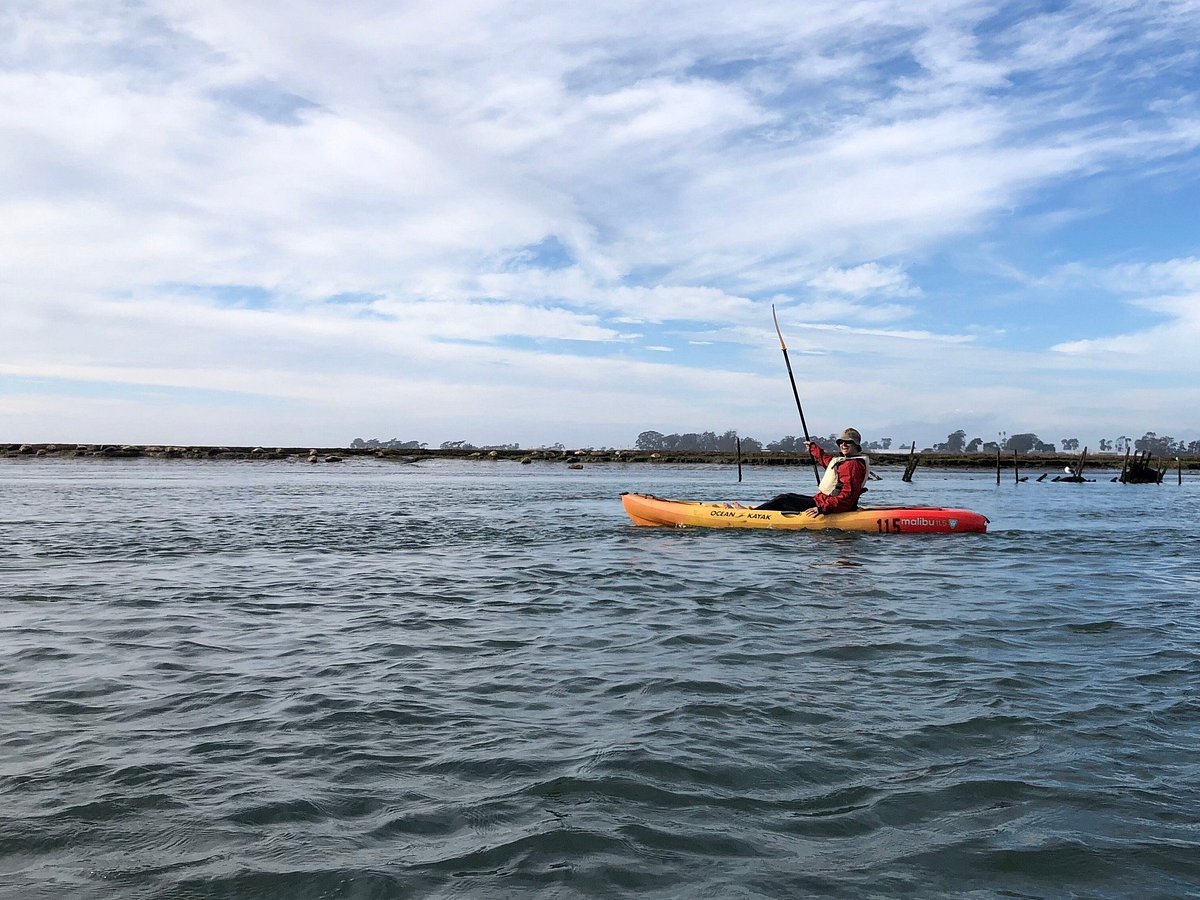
(851, 434)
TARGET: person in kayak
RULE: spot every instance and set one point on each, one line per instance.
(845, 475)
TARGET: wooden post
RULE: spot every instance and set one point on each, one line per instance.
(1079, 465)
(997, 465)
(911, 466)
(739, 458)
(1179, 469)
(1124, 465)
(1016, 469)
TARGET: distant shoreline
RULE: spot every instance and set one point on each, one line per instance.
(1055, 462)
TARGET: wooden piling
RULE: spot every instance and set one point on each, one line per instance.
(738, 440)
(912, 463)
(1179, 469)
(1124, 465)
(997, 465)
(1079, 465)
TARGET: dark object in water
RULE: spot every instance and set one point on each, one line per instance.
(1138, 470)
(911, 466)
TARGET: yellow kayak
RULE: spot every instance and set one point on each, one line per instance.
(645, 509)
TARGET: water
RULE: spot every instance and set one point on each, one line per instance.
(456, 679)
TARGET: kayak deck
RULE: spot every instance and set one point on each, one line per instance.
(646, 509)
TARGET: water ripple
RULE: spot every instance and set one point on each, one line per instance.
(474, 680)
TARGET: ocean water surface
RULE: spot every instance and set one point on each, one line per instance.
(478, 679)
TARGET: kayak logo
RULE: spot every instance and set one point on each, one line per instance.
(953, 523)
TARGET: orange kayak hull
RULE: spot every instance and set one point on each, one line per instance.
(645, 509)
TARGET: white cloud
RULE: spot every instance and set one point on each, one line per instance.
(1168, 345)
(861, 281)
(1170, 275)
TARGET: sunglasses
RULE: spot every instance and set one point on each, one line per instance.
(845, 443)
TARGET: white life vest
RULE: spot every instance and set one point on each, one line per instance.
(829, 483)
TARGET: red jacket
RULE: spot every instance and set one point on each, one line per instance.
(852, 474)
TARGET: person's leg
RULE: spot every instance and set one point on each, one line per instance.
(789, 503)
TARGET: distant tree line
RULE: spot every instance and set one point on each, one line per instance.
(397, 444)
(711, 442)
(393, 444)
(956, 442)
(467, 445)
(707, 441)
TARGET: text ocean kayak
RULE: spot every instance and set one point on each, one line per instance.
(647, 510)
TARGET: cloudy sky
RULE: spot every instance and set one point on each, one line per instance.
(297, 223)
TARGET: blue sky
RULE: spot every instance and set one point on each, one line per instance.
(299, 223)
